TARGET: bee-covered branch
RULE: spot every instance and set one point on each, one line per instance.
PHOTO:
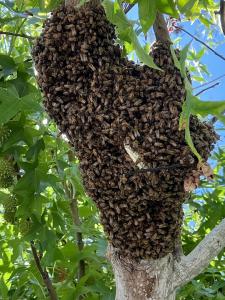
(160, 29)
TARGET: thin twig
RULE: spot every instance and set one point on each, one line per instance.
(18, 34)
(200, 41)
(208, 88)
(209, 82)
(44, 274)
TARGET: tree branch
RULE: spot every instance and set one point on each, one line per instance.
(209, 82)
(44, 274)
(76, 220)
(200, 41)
(208, 88)
(80, 244)
(194, 263)
(222, 15)
(18, 34)
(160, 29)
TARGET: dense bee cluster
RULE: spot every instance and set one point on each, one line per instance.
(103, 102)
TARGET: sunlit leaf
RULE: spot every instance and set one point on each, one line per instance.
(7, 65)
(147, 13)
(167, 7)
(125, 30)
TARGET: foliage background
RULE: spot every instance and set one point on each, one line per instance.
(47, 182)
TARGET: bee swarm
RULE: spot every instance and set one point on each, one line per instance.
(102, 102)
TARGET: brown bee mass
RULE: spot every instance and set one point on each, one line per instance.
(103, 101)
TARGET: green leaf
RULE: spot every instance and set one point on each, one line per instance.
(183, 57)
(3, 289)
(198, 78)
(200, 53)
(205, 21)
(147, 13)
(189, 140)
(167, 7)
(185, 120)
(205, 108)
(30, 103)
(27, 184)
(9, 105)
(7, 64)
(142, 55)
(116, 15)
(175, 59)
(131, 1)
(126, 32)
(86, 211)
(185, 5)
(35, 149)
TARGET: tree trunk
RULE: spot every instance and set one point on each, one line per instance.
(145, 280)
(159, 279)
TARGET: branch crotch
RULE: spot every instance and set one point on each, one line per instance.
(147, 280)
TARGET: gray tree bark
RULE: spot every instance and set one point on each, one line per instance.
(147, 280)
(159, 279)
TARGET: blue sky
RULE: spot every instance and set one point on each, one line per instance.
(216, 67)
